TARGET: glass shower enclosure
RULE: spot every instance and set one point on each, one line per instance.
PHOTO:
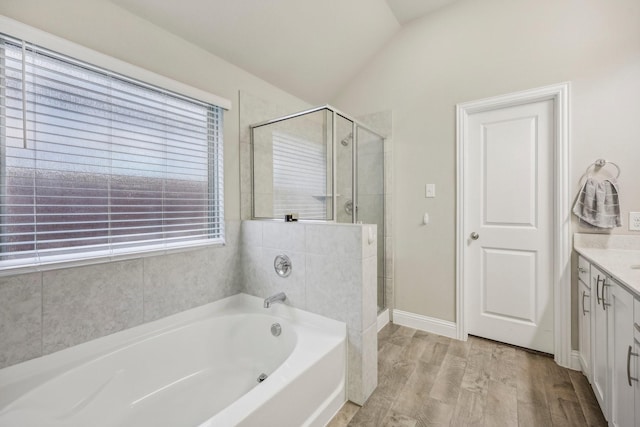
(321, 165)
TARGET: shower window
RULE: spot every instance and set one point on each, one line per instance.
(94, 164)
(292, 168)
(299, 177)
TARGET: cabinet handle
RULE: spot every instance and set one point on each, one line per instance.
(582, 270)
(598, 289)
(629, 377)
(584, 312)
(605, 304)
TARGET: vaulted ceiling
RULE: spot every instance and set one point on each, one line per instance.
(309, 48)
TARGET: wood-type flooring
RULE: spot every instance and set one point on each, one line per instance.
(429, 380)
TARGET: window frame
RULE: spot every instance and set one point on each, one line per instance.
(215, 158)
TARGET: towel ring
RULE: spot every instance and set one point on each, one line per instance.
(600, 163)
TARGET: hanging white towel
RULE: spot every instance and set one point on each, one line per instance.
(597, 204)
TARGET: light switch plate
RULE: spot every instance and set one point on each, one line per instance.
(634, 221)
(430, 190)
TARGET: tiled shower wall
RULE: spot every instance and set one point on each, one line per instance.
(44, 312)
(333, 274)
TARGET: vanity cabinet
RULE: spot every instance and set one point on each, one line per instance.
(584, 316)
(584, 270)
(599, 339)
(609, 339)
(622, 351)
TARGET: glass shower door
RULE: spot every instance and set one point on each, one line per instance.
(370, 194)
(344, 147)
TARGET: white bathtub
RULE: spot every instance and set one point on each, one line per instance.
(196, 368)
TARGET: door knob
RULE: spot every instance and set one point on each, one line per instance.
(474, 236)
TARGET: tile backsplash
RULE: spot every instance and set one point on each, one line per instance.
(20, 318)
(44, 312)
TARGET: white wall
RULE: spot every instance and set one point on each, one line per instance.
(477, 49)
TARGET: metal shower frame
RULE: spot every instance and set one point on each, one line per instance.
(334, 129)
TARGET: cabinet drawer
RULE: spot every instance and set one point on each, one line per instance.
(583, 271)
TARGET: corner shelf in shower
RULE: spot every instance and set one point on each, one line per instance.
(324, 196)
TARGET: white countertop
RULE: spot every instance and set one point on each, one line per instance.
(614, 256)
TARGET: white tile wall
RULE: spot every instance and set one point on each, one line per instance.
(334, 275)
(83, 303)
(20, 318)
(292, 237)
(45, 312)
(181, 281)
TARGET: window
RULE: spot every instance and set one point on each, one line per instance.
(94, 164)
(299, 177)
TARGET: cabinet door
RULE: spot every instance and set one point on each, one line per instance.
(599, 353)
(584, 327)
(622, 346)
(583, 270)
(636, 374)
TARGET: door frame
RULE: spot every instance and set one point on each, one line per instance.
(559, 94)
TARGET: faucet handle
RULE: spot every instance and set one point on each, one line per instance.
(282, 265)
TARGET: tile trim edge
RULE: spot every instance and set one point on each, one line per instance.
(383, 319)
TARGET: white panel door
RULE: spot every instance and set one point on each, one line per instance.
(509, 225)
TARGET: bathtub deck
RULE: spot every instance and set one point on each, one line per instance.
(426, 379)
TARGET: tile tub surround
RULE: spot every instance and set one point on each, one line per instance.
(333, 274)
(44, 312)
(20, 318)
(615, 254)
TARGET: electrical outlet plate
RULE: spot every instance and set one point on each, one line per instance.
(634, 221)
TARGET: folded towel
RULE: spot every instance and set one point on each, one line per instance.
(597, 204)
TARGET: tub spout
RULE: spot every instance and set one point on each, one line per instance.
(279, 297)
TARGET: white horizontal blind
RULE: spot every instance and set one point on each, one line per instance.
(299, 177)
(94, 164)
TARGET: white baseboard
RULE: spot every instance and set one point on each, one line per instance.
(424, 323)
(383, 319)
(574, 361)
